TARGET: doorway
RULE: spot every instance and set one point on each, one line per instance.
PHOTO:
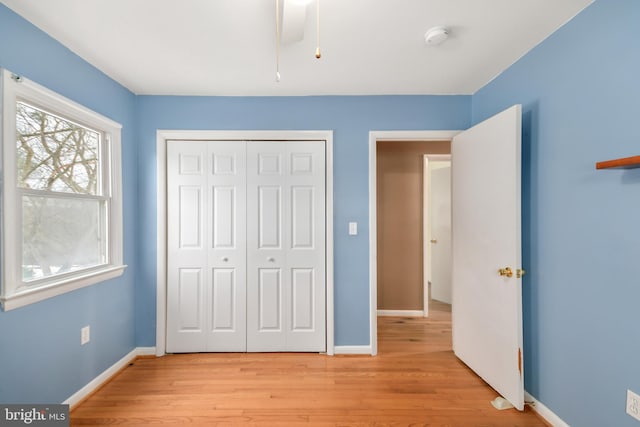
(399, 138)
(405, 239)
(437, 218)
(163, 137)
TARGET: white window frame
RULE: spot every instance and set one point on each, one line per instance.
(14, 88)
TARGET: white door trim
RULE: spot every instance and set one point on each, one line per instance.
(426, 225)
(374, 137)
(161, 211)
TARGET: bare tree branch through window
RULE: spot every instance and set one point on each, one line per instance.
(55, 154)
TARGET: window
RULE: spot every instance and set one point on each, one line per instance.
(61, 201)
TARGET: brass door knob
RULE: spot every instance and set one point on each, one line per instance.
(434, 240)
(505, 272)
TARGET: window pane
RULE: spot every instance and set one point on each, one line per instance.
(61, 235)
(55, 154)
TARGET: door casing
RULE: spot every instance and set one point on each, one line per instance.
(161, 211)
(426, 208)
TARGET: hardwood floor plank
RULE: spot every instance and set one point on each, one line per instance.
(414, 381)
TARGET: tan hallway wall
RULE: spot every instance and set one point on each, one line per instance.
(400, 227)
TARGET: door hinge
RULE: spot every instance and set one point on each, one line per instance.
(520, 360)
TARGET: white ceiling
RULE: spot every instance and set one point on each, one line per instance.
(227, 47)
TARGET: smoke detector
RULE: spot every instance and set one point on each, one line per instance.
(436, 35)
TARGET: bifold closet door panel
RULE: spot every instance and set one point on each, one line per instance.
(306, 246)
(286, 246)
(227, 253)
(186, 246)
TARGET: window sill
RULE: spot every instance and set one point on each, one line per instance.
(31, 296)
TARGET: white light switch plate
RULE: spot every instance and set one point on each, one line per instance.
(353, 228)
(85, 335)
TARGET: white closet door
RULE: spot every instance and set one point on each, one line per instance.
(206, 245)
(227, 253)
(305, 217)
(186, 246)
(286, 246)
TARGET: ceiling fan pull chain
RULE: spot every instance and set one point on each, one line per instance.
(278, 41)
(318, 54)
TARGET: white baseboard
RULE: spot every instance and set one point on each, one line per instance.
(402, 313)
(94, 384)
(146, 351)
(352, 349)
(547, 414)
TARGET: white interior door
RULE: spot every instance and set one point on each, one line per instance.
(440, 206)
(487, 306)
(206, 245)
(286, 246)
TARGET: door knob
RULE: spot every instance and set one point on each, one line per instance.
(505, 272)
(434, 240)
(225, 259)
(271, 259)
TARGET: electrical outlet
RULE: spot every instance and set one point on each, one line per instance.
(85, 335)
(633, 405)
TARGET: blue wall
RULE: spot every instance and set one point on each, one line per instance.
(580, 91)
(41, 359)
(351, 118)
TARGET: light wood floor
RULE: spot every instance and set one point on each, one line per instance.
(414, 381)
